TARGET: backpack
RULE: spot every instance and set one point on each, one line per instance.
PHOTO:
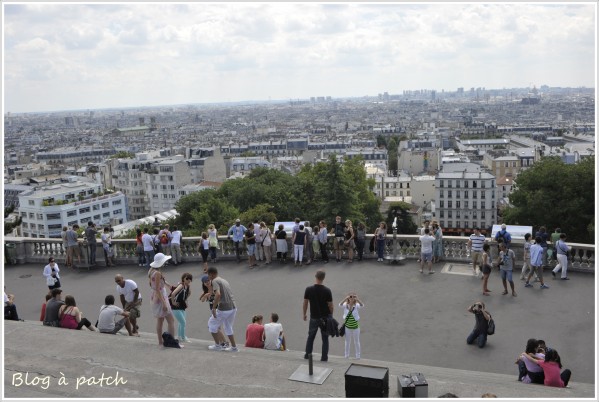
(491, 327)
(169, 342)
(164, 239)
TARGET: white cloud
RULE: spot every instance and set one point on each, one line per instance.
(204, 52)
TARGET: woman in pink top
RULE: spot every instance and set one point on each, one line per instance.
(254, 333)
(551, 368)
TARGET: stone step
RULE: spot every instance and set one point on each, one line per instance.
(146, 370)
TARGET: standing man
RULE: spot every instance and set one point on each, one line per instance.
(165, 240)
(259, 239)
(475, 244)
(73, 245)
(320, 299)
(237, 231)
(250, 241)
(338, 230)
(536, 263)
(542, 234)
(562, 250)
(176, 237)
(90, 236)
(426, 251)
(223, 311)
(322, 238)
(507, 260)
(130, 299)
(503, 236)
(148, 243)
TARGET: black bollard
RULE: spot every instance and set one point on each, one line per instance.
(310, 367)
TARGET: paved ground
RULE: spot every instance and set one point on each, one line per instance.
(408, 318)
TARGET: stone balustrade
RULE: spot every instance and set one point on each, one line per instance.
(19, 250)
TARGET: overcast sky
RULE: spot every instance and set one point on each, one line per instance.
(90, 56)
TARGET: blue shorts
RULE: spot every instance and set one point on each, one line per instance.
(426, 256)
(251, 249)
(506, 275)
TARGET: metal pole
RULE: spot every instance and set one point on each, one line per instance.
(310, 366)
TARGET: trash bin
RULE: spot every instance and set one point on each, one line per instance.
(10, 253)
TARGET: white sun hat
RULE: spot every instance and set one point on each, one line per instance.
(159, 260)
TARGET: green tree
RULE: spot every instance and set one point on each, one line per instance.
(367, 203)
(392, 162)
(405, 223)
(554, 194)
(123, 155)
(335, 189)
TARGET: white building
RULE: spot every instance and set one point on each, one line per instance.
(45, 210)
(465, 200)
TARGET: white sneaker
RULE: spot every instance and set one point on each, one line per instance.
(231, 349)
(216, 347)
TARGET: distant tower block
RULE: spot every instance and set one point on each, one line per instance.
(153, 124)
(141, 121)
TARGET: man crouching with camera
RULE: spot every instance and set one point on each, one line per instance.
(479, 333)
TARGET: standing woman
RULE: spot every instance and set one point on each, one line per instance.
(486, 268)
(281, 236)
(51, 271)
(178, 299)
(205, 249)
(350, 236)
(351, 317)
(212, 241)
(71, 317)
(360, 240)
(299, 241)
(315, 242)
(139, 249)
(380, 234)
(265, 235)
(437, 243)
(159, 299)
(63, 236)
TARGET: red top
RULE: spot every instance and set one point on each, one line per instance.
(551, 371)
(253, 336)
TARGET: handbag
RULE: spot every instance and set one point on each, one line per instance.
(491, 327)
(342, 329)
(50, 281)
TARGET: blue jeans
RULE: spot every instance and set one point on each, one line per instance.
(380, 247)
(237, 245)
(149, 257)
(92, 253)
(480, 337)
(313, 328)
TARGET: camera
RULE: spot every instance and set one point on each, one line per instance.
(477, 307)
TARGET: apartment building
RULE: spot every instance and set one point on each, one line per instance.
(465, 200)
(163, 182)
(46, 209)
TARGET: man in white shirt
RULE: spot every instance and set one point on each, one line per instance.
(108, 323)
(176, 236)
(426, 251)
(148, 244)
(273, 336)
(130, 299)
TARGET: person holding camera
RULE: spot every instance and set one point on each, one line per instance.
(479, 333)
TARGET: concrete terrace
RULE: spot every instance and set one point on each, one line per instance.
(410, 323)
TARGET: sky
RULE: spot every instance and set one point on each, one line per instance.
(91, 55)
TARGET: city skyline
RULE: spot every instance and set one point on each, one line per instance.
(97, 56)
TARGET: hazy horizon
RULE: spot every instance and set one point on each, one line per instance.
(60, 57)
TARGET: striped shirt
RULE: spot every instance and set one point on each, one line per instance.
(477, 242)
(350, 321)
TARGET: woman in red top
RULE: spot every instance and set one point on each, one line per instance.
(254, 332)
(551, 369)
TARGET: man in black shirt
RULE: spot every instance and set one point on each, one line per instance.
(90, 235)
(53, 307)
(479, 333)
(320, 299)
